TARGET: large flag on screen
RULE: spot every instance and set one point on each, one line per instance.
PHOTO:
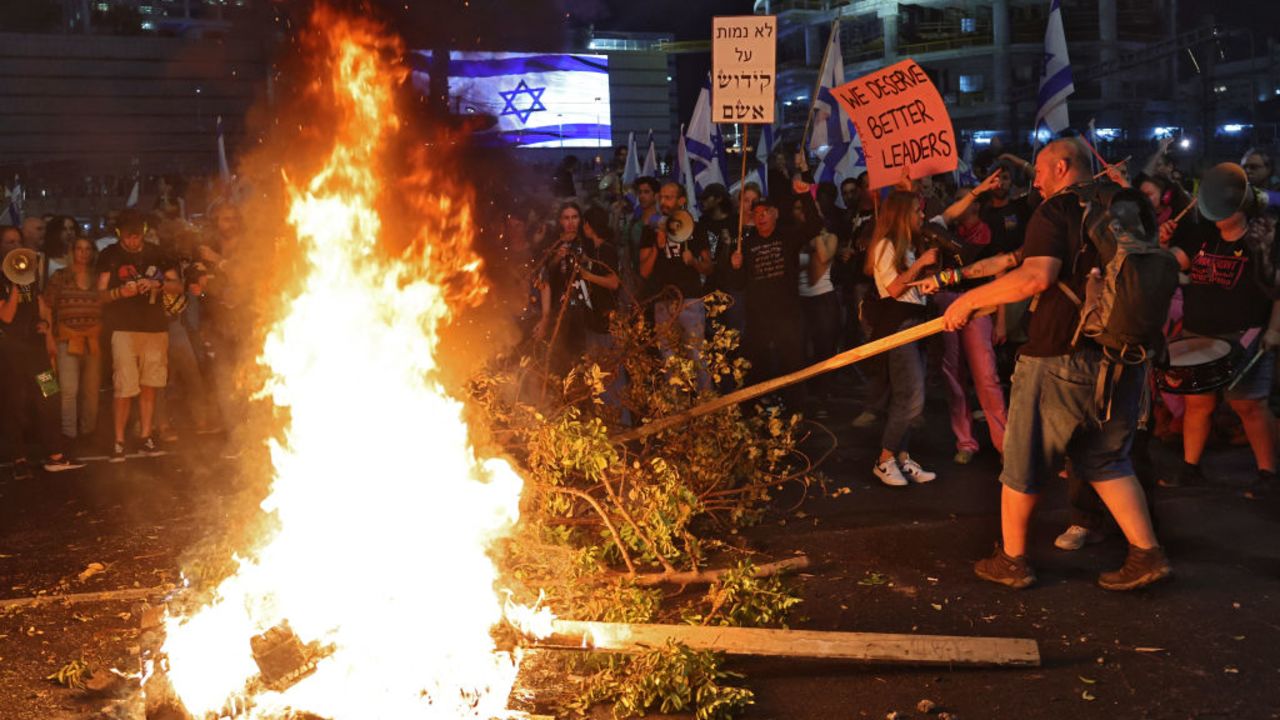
(538, 99)
(1055, 80)
(705, 145)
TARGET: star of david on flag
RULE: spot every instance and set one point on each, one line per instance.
(538, 99)
(535, 95)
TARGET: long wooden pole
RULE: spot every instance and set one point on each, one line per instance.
(743, 129)
(848, 357)
(767, 642)
(89, 597)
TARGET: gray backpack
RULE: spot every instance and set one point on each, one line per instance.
(1128, 290)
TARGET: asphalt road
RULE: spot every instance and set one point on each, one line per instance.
(1203, 645)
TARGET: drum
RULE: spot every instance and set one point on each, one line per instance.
(1199, 365)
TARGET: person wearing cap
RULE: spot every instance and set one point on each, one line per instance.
(28, 383)
(769, 264)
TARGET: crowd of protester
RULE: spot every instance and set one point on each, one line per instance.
(141, 306)
(822, 268)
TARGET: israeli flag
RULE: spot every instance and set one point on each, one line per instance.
(632, 169)
(538, 100)
(1055, 81)
(686, 175)
(705, 144)
(760, 168)
(827, 129)
(963, 173)
(12, 214)
(844, 159)
(650, 167)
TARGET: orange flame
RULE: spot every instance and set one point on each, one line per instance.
(384, 511)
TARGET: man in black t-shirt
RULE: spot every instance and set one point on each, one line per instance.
(131, 278)
(770, 266)
(667, 263)
(1006, 216)
(1052, 409)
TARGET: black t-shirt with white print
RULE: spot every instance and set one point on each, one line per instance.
(670, 268)
(1226, 293)
(143, 312)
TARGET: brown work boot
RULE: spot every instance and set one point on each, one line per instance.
(1141, 568)
(1005, 570)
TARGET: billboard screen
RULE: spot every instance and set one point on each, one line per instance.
(538, 99)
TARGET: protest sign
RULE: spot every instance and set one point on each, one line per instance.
(902, 121)
(743, 66)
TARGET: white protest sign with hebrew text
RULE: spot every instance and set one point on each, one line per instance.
(744, 51)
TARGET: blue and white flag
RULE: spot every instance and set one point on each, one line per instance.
(650, 167)
(224, 169)
(833, 137)
(685, 174)
(963, 173)
(538, 99)
(12, 214)
(632, 169)
(1055, 80)
(705, 144)
(132, 200)
(759, 173)
(827, 130)
(843, 160)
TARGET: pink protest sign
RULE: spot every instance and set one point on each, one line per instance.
(902, 122)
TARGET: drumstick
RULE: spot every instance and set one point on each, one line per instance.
(1126, 159)
(1248, 366)
(1105, 165)
(1186, 209)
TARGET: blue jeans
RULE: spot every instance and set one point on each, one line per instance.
(1053, 415)
(184, 372)
(692, 319)
(80, 378)
(904, 368)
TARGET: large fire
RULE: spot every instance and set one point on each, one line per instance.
(384, 511)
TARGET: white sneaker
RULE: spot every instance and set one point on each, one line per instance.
(889, 473)
(1076, 537)
(912, 470)
(866, 419)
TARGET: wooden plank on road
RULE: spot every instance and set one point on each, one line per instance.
(891, 648)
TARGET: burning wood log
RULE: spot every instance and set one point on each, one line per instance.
(845, 646)
(73, 598)
(848, 357)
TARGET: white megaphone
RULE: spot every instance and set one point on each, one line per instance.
(20, 266)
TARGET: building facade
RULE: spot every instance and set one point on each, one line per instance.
(986, 56)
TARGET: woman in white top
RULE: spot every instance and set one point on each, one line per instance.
(896, 259)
